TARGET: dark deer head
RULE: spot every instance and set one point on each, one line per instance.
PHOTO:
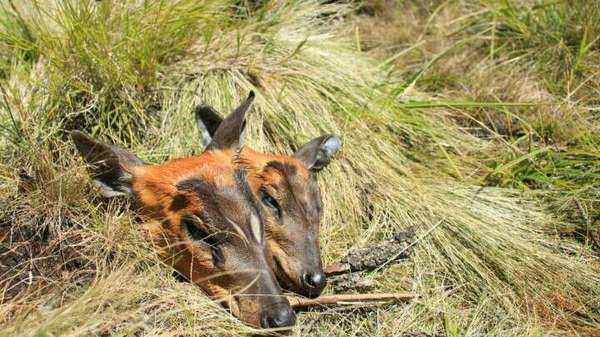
(288, 190)
(204, 220)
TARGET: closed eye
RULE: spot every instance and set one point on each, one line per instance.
(206, 240)
(270, 202)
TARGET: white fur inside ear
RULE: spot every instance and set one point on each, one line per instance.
(326, 150)
(206, 138)
(255, 227)
(330, 146)
(110, 192)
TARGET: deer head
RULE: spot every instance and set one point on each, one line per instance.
(203, 218)
(287, 188)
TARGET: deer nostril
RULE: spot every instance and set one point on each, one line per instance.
(314, 280)
(280, 317)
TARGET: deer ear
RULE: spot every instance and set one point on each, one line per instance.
(110, 167)
(317, 153)
(207, 121)
(229, 134)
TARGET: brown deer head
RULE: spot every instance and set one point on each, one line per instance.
(287, 188)
(203, 218)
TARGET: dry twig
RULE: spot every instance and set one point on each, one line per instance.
(325, 300)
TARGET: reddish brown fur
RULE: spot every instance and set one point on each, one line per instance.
(155, 190)
(204, 220)
(155, 186)
(289, 192)
(282, 244)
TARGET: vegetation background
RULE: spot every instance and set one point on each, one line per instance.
(475, 122)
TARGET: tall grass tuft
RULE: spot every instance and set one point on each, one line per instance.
(131, 71)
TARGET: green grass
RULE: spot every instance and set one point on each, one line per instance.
(522, 74)
(452, 122)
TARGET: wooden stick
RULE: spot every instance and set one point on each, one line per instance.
(300, 302)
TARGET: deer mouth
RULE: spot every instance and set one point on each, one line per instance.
(285, 281)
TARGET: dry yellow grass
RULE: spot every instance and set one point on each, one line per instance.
(132, 71)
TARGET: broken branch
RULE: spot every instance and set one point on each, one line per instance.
(299, 302)
(373, 257)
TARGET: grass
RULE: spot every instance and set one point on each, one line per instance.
(521, 74)
(462, 122)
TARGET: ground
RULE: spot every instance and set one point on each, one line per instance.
(474, 123)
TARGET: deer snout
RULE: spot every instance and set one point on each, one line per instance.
(279, 316)
(314, 282)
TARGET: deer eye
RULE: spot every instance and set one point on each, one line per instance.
(270, 202)
(206, 240)
(194, 231)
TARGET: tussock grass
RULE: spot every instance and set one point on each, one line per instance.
(132, 71)
(518, 73)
